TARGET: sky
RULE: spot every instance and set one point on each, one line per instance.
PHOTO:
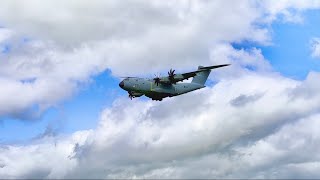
(63, 115)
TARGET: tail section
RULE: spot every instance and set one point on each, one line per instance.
(204, 72)
(202, 76)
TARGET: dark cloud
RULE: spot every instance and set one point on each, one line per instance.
(50, 131)
(40, 173)
(243, 100)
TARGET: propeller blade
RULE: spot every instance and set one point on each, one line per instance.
(157, 80)
(171, 75)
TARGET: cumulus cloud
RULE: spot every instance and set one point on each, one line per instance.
(96, 20)
(288, 151)
(315, 47)
(44, 158)
(32, 78)
(207, 137)
(41, 71)
(68, 42)
(148, 34)
(286, 10)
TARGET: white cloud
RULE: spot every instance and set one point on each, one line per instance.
(290, 151)
(43, 75)
(242, 61)
(4, 34)
(47, 157)
(129, 20)
(71, 41)
(315, 47)
(205, 137)
(40, 73)
(288, 10)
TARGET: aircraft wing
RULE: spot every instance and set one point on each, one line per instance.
(200, 69)
(190, 74)
(174, 78)
(212, 67)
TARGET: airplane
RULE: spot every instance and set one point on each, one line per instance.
(159, 88)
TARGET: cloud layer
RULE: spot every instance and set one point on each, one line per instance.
(53, 44)
(207, 137)
(79, 39)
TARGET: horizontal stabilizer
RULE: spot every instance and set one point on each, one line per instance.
(212, 67)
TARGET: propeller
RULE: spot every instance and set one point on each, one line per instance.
(157, 79)
(171, 75)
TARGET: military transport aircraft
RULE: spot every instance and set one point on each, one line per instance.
(162, 87)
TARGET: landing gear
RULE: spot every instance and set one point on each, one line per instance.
(134, 94)
(157, 99)
(131, 96)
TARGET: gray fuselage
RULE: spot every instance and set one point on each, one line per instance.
(168, 86)
(140, 86)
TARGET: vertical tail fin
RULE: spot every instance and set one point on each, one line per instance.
(202, 76)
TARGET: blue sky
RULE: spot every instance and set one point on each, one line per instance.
(79, 112)
(289, 54)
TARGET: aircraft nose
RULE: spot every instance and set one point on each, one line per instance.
(121, 84)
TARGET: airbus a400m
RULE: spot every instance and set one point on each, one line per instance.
(168, 86)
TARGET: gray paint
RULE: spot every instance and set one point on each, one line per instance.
(137, 87)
